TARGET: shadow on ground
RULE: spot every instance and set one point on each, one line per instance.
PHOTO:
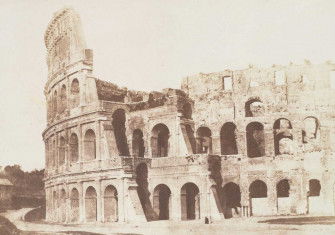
(324, 220)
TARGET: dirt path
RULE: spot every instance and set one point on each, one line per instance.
(232, 226)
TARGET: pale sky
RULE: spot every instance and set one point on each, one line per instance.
(148, 45)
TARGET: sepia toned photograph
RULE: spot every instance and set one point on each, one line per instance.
(155, 117)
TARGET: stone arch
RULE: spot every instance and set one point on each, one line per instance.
(138, 144)
(62, 205)
(75, 93)
(190, 202)
(73, 144)
(161, 201)
(314, 188)
(74, 205)
(160, 140)
(204, 140)
(228, 139)
(254, 107)
(89, 145)
(110, 204)
(231, 199)
(258, 198)
(54, 104)
(310, 130)
(62, 149)
(255, 140)
(91, 204)
(283, 188)
(63, 100)
(283, 139)
(119, 120)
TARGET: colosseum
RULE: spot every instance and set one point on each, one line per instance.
(250, 142)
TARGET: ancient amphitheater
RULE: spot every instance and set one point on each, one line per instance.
(242, 143)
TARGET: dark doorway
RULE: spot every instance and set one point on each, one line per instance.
(228, 139)
(190, 202)
(161, 201)
(231, 199)
(255, 140)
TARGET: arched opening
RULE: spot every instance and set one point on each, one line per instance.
(310, 131)
(188, 134)
(55, 104)
(75, 93)
(282, 136)
(74, 205)
(63, 205)
(187, 111)
(314, 199)
(62, 146)
(255, 140)
(143, 191)
(89, 145)
(63, 99)
(119, 120)
(254, 108)
(73, 147)
(54, 154)
(138, 143)
(161, 201)
(204, 140)
(228, 139)
(110, 204)
(283, 197)
(231, 199)
(190, 202)
(55, 205)
(160, 141)
(91, 204)
(314, 188)
(258, 198)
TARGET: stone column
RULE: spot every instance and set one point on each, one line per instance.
(68, 205)
(269, 142)
(81, 202)
(216, 145)
(175, 206)
(99, 201)
(272, 195)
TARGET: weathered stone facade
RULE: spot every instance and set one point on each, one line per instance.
(233, 143)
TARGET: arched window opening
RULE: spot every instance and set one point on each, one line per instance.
(191, 143)
(75, 93)
(190, 202)
(63, 100)
(254, 108)
(89, 145)
(62, 146)
(282, 137)
(74, 205)
(161, 201)
(258, 189)
(54, 154)
(310, 131)
(187, 111)
(255, 140)
(91, 204)
(63, 205)
(119, 119)
(231, 199)
(314, 188)
(204, 140)
(55, 205)
(283, 188)
(228, 139)
(74, 148)
(160, 141)
(110, 204)
(55, 104)
(138, 143)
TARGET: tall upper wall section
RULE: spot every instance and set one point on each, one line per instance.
(65, 41)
